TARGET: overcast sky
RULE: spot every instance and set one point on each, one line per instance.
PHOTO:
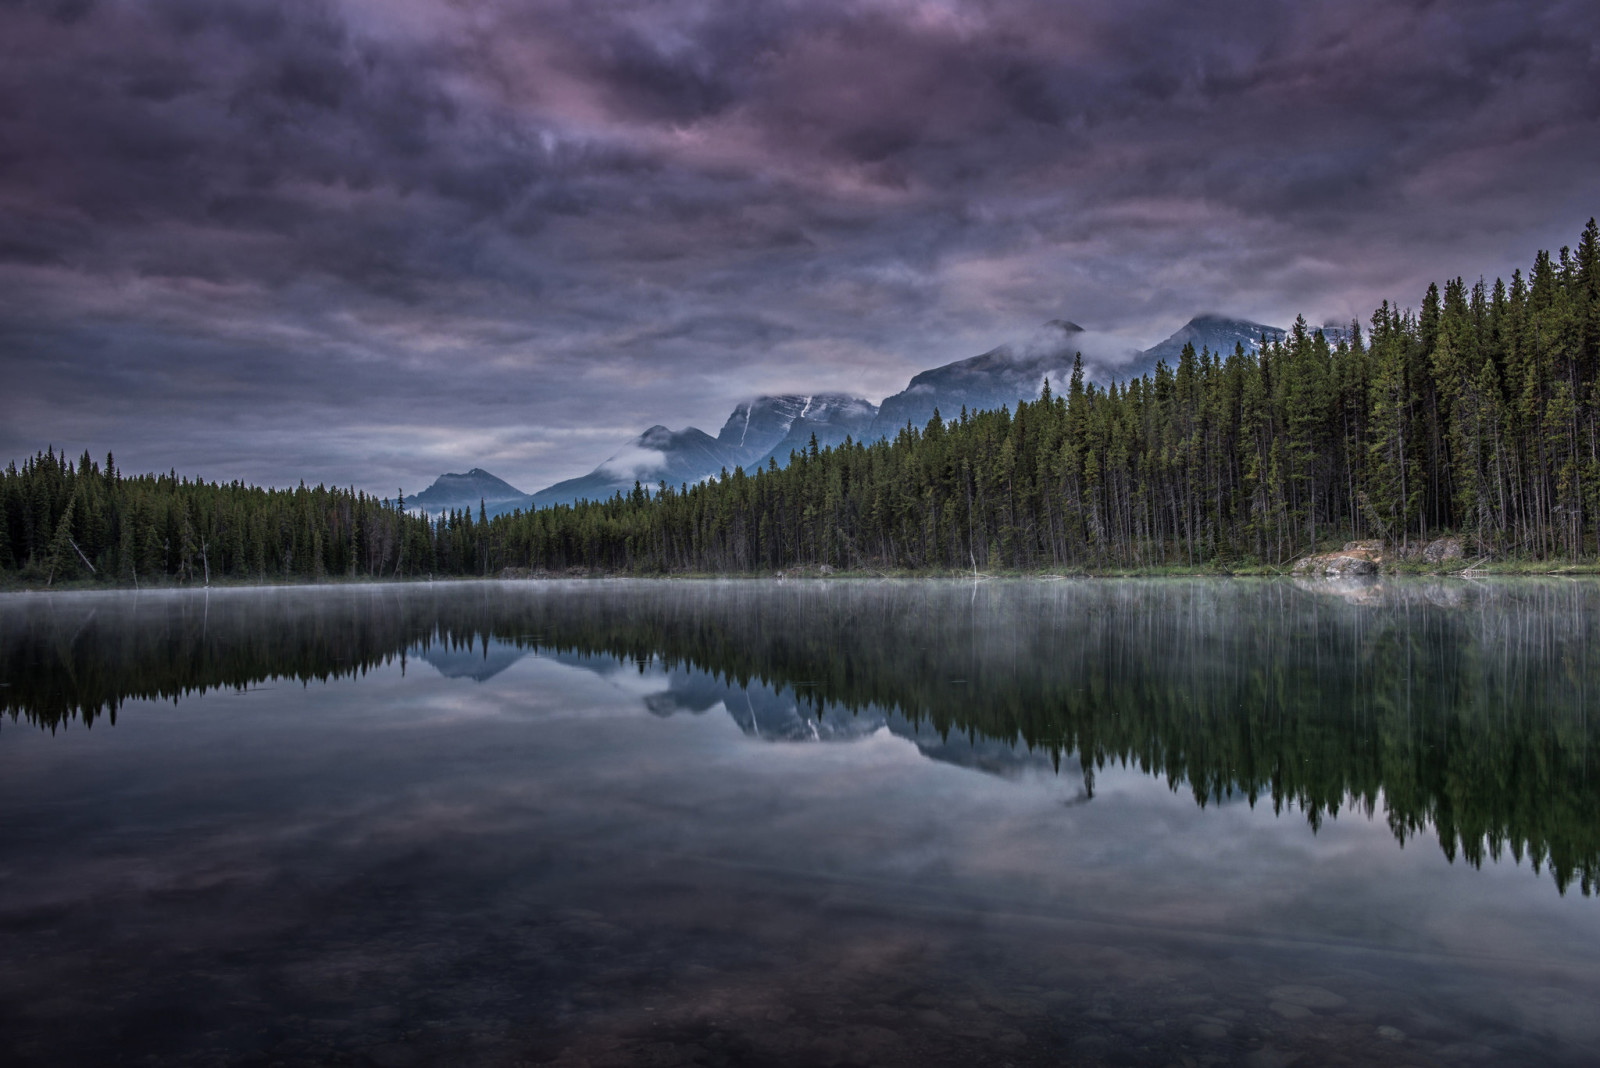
(367, 241)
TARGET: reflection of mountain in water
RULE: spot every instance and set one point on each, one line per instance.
(766, 712)
(1008, 759)
(780, 714)
(769, 713)
(466, 662)
(1457, 709)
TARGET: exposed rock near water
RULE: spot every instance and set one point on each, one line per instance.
(1356, 558)
(1441, 550)
(1369, 557)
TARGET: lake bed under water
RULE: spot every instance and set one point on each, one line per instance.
(737, 823)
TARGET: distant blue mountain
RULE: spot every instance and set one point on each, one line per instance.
(1337, 332)
(768, 429)
(1001, 376)
(658, 454)
(830, 417)
(453, 492)
(1214, 332)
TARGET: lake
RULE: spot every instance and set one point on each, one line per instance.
(1142, 822)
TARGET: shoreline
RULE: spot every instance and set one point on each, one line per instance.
(1492, 569)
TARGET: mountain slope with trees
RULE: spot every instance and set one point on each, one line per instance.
(1476, 414)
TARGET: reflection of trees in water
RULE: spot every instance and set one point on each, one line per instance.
(1457, 707)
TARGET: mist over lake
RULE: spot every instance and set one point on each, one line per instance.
(841, 822)
(889, 533)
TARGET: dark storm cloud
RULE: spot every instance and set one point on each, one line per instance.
(368, 240)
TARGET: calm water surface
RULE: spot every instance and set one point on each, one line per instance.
(898, 823)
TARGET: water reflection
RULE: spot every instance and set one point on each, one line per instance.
(819, 824)
(792, 714)
(1456, 710)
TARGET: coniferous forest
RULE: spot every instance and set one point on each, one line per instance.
(1476, 414)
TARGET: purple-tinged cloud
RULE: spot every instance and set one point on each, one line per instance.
(366, 242)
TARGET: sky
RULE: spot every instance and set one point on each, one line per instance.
(364, 242)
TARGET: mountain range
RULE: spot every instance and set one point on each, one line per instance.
(768, 429)
(759, 430)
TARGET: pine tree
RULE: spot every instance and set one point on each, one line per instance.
(62, 558)
(6, 559)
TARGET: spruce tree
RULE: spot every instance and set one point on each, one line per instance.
(62, 558)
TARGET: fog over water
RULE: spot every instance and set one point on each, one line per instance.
(809, 822)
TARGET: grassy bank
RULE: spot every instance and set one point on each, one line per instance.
(1242, 569)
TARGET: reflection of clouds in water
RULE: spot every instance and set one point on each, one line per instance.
(529, 664)
(1218, 687)
(783, 714)
(764, 712)
(1140, 850)
(550, 764)
(538, 830)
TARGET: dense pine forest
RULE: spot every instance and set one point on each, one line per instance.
(1477, 415)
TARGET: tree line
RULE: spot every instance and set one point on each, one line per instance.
(63, 520)
(1476, 415)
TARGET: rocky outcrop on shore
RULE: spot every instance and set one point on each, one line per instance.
(1441, 551)
(1369, 557)
(1356, 558)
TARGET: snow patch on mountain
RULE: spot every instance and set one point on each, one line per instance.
(769, 429)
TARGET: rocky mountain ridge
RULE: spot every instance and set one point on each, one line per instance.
(454, 491)
(769, 428)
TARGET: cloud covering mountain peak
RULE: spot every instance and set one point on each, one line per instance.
(342, 240)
